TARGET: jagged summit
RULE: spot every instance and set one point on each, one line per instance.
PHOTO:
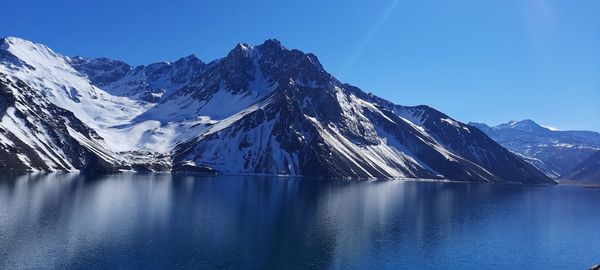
(146, 83)
(269, 44)
(191, 57)
(272, 42)
(274, 52)
(272, 45)
(246, 50)
(241, 50)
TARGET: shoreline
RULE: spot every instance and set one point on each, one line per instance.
(574, 183)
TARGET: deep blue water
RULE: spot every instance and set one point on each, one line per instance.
(237, 222)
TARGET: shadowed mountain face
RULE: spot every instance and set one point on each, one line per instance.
(588, 170)
(552, 151)
(259, 110)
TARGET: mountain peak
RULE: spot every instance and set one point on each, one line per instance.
(18, 53)
(241, 50)
(532, 124)
(192, 58)
(245, 50)
(273, 43)
(271, 46)
(15, 42)
(527, 123)
(6, 41)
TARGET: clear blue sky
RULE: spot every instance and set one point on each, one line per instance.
(489, 61)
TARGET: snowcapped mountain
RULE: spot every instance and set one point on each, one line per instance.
(260, 110)
(552, 151)
(588, 170)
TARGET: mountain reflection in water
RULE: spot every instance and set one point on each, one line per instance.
(157, 221)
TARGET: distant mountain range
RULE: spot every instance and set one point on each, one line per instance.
(262, 109)
(554, 152)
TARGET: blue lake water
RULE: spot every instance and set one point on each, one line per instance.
(160, 221)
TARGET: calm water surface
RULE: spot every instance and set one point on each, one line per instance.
(232, 222)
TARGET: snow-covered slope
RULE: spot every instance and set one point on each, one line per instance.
(38, 135)
(36, 78)
(552, 151)
(52, 76)
(259, 110)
